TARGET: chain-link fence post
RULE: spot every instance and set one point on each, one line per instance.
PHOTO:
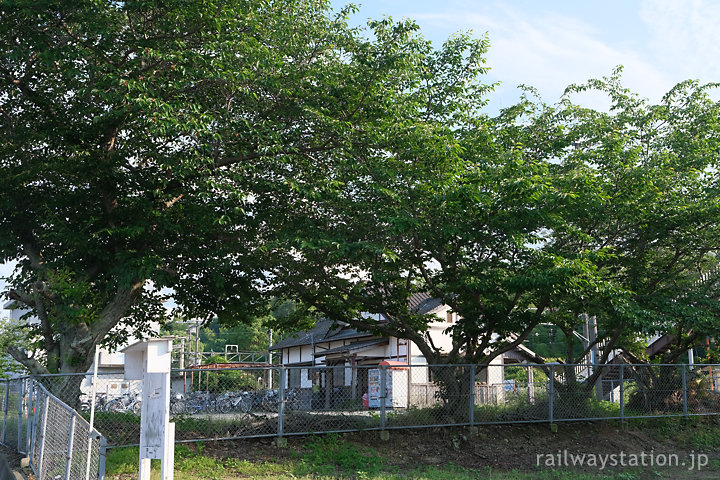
(622, 392)
(383, 394)
(5, 409)
(21, 396)
(43, 434)
(551, 393)
(35, 420)
(30, 408)
(101, 459)
(69, 455)
(281, 400)
(471, 413)
(684, 389)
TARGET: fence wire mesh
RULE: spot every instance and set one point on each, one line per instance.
(225, 403)
(12, 415)
(56, 438)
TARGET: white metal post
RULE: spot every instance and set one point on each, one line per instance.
(93, 391)
(5, 413)
(43, 432)
(551, 393)
(281, 400)
(21, 396)
(472, 395)
(30, 392)
(69, 454)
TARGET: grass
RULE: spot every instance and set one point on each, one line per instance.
(699, 433)
(328, 457)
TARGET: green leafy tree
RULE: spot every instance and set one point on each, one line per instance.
(143, 143)
(460, 211)
(455, 204)
(538, 215)
(248, 336)
(648, 174)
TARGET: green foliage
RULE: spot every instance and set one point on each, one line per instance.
(145, 145)
(239, 151)
(192, 464)
(12, 333)
(548, 342)
(251, 336)
(230, 380)
(536, 216)
(330, 454)
(520, 375)
(122, 460)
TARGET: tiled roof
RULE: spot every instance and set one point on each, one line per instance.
(344, 333)
(353, 347)
(315, 334)
(423, 303)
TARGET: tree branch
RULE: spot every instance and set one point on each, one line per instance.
(31, 363)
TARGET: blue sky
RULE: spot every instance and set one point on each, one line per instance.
(550, 44)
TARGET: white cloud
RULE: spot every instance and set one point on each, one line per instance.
(685, 36)
(550, 50)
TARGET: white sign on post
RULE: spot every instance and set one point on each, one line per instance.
(149, 361)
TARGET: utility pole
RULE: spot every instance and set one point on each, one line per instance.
(586, 339)
(197, 342)
(593, 330)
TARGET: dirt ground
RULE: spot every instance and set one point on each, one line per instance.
(509, 447)
(501, 447)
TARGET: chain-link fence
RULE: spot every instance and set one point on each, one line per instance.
(228, 403)
(15, 414)
(56, 438)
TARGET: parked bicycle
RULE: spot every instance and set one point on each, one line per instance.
(197, 402)
(177, 403)
(128, 402)
(234, 402)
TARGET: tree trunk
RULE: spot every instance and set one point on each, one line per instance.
(454, 390)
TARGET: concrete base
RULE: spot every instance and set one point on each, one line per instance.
(473, 430)
(25, 462)
(384, 435)
(281, 442)
(553, 427)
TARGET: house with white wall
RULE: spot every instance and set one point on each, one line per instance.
(337, 359)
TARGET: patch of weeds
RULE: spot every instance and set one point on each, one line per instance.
(326, 455)
(183, 451)
(210, 467)
(122, 460)
(626, 476)
(247, 469)
(705, 439)
(415, 416)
